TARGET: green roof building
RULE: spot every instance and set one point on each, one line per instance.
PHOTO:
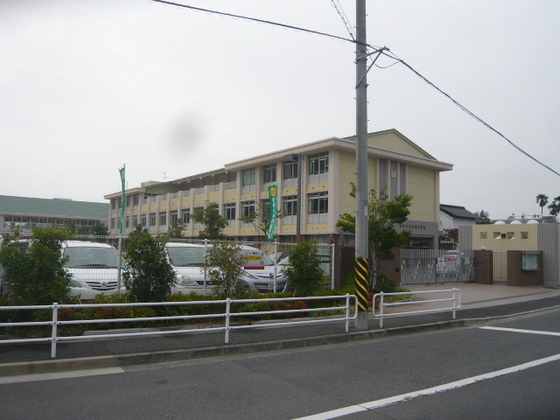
(27, 213)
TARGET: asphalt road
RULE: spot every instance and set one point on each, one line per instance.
(507, 372)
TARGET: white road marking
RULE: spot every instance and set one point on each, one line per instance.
(372, 405)
(58, 375)
(517, 330)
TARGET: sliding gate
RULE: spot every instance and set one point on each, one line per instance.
(430, 266)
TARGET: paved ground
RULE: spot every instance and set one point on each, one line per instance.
(478, 302)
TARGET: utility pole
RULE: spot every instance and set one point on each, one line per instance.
(361, 261)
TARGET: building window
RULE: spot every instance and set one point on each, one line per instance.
(249, 177)
(524, 235)
(290, 205)
(163, 219)
(319, 163)
(152, 219)
(229, 211)
(134, 221)
(269, 174)
(144, 220)
(483, 235)
(136, 199)
(186, 216)
(248, 208)
(290, 170)
(174, 215)
(318, 203)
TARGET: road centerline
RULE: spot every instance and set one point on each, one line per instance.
(519, 330)
(372, 405)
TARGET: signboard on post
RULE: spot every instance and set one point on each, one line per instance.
(123, 199)
(273, 201)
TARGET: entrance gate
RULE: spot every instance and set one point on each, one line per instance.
(429, 266)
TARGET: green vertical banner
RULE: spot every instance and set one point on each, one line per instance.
(273, 201)
(123, 199)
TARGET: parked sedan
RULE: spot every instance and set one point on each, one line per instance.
(188, 261)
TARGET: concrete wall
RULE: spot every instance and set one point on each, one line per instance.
(502, 238)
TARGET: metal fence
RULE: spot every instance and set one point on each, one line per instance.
(434, 305)
(227, 315)
(429, 266)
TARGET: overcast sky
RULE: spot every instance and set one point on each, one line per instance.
(89, 85)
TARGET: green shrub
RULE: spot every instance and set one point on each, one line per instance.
(149, 275)
(304, 270)
(384, 284)
(225, 262)
(36, 272)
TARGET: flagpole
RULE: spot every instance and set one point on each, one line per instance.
(122, 173)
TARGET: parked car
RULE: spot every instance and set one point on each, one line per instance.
(94, 268)
(188, 261)
(262, 266)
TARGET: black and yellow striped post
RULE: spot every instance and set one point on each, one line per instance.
(362, 290)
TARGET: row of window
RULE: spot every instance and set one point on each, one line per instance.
(29, 222)
(317, 203)
(317, 164)
(502, 235)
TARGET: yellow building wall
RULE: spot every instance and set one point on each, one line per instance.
(214, 197)
(230, 195)
(422, 185)
(512, 237)
(394, 142)
(347, 175)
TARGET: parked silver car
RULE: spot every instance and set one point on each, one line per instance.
(188, 261)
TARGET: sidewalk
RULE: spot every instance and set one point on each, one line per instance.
(479, 301)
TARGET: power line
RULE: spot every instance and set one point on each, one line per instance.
(252, 19)
(383, 51)
(338, 7)
(470, 113)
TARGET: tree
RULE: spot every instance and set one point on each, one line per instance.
(554, 207)
(383, 215)
(304, 270)
(482, 218)
(449, 238)
(176, 229)
(542, 201)
(149, 275)
(213, 222)
(225, 263)
(35, 269)
(260, 219)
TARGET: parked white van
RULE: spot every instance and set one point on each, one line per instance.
(188, 261)
(94, 268)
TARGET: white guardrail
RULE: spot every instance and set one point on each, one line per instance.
(54, 338)
(455, 300)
